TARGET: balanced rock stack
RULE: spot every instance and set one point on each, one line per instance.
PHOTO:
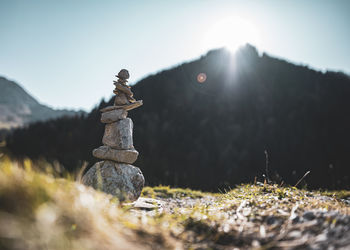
(115, 174)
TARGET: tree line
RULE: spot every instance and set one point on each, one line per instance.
(215, 134)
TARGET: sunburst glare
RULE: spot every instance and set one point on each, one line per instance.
(231, 33)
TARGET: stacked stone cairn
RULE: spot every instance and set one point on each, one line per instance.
(114, 174)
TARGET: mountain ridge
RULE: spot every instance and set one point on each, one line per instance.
(18, 108)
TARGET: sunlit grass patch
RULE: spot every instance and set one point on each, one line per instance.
(339, 194)
(41, 211)
(38, 211)
(167, 192)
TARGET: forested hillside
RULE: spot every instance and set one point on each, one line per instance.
(215, 133)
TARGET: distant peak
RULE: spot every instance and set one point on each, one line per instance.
(245, 50)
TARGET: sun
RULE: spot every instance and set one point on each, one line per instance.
(230, 33)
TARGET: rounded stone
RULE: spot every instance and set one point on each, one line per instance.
(121, 99)
(123, 74)
(121, 180)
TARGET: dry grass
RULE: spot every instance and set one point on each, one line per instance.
(38, 211)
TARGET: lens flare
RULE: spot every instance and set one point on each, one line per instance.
(201, 77)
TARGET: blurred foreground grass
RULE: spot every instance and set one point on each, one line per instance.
(39, 211)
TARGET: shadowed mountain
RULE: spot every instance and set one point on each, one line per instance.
(214, 134)
(18, 108)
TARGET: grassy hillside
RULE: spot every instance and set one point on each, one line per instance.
(38, 211)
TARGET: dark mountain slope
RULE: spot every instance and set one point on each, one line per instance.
(18, 108)
(211, 134)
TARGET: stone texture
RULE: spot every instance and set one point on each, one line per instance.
(147, 204)
(121, 180)
(126, 107)
(107, 153)
(118, 135)
(113, 115)
(123, 88)
(121, 99)
(123, 74)
(114, 175)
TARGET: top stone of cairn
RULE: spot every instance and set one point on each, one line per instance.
(123, 75)
(124, 96)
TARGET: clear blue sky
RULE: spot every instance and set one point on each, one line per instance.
(66, 53)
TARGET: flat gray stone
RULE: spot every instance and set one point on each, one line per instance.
(118, 135)
(107, 153)
(126, 106)
(121, 180)
(113, 115)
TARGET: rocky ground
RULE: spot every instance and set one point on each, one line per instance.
(257, 217)
(38, 211)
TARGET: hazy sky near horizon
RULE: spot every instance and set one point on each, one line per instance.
(66, 53)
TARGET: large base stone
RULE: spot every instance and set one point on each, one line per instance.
(106, 153)
(121, 180)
